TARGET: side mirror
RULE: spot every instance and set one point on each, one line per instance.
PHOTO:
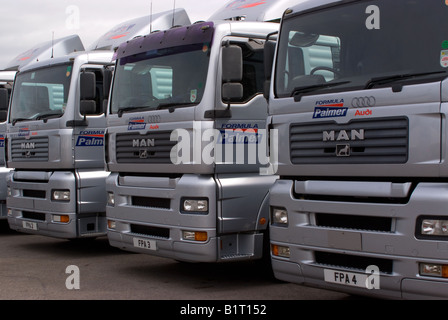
(88, 93)
(4, 102)
(269, 54)
(232, 73)
(88, 86)
(107, 82)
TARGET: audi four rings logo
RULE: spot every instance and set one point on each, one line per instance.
(363, 102)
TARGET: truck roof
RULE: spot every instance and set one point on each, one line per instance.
(91, 57)
(102, 50)
(46, 50)
(309, 4)
(253, 10)
(140, 27)
(196, 33)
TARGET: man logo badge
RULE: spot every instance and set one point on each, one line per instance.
(343, 150)
(143, 154)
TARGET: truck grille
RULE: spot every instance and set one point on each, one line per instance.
(156, 232)
(29, 150)
(382, 141)
(352, 262)
(342, 221)
(148, 148)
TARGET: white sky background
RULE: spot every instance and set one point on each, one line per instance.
(27, 23)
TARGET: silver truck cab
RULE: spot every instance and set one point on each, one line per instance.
(6, 82)
(187, 140)
(359, 100)
(40, 51)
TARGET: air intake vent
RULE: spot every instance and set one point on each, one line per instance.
(29, 150)
(383, 141)
(148, 148)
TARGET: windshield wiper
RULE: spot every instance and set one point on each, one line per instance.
(397, 77)
(172, 106)
(19, 120)
(298, 92)
(129, 109)
(49, 115)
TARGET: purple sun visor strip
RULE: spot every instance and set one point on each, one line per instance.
(179, 36)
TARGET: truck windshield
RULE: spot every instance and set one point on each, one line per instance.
(362, 45)
(164, 78)
(41, 94)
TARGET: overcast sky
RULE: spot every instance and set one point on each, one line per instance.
(27, 23)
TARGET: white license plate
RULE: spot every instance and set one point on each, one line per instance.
(29, 225)
(145, 244)
(346, 278)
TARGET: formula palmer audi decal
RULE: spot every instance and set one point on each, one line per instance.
(91, 138)
(330, 109)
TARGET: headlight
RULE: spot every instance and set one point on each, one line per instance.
(435, 227)
(195, 235)
(194, 205)
(60, 195)
(111, 224)
(434, 270)
(280, 251)
(279, 216)
(61, 218)
(432, 227)
(110, 199)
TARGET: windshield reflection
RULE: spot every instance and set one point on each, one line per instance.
(166, 78)
(337, 46)
(41, 94)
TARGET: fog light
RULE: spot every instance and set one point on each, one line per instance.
(60, 195)
(61, 218)
(110, 199)
(280, 251)
(195, 235)
(434, 227)
(192, 205)
(434, 270)
(279, 216)
(111, 224)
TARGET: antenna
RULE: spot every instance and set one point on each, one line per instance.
(174, 10)
(52, 46)
(150, 20)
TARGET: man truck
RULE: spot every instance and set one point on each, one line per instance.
(187, 140)
(6, 81)
(360, 203)
(56, 130)
(41, 51)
